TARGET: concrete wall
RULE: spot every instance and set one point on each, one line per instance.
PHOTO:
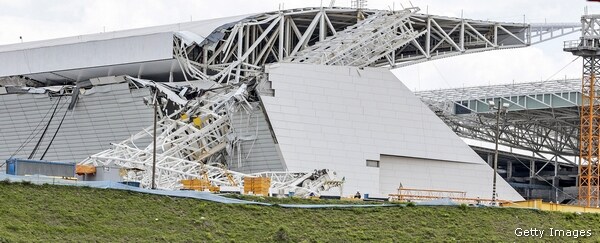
(418, 173)
(339, 117)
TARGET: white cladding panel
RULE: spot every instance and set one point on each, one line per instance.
(338, 117)
(417, 173)
(98, 53)
(254, 149)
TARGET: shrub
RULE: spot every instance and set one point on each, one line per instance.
(26, 183)
(570, 216)
(282, 235)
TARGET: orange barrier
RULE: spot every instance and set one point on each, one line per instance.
(538, 204)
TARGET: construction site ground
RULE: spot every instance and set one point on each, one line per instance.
(49, 213)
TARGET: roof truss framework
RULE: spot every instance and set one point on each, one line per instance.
(239, 49)
(336, 36)
(542, 117)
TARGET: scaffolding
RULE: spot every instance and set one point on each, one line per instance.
(423, 195)
(411, 194)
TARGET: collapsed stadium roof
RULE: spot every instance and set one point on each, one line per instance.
(232, 54)
(249, 41)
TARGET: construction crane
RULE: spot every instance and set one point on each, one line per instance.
(588, 47)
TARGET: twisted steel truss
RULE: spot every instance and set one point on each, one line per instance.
(336, 36)
(192, 143)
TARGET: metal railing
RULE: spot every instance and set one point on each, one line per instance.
(571, 44)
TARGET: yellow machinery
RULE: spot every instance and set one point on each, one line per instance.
(196, 120)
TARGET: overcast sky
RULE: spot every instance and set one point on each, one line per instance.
(45, 19)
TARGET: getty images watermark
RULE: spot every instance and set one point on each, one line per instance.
(552, 232)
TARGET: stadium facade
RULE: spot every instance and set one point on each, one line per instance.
(309, 107)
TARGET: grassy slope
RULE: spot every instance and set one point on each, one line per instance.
(53, 213)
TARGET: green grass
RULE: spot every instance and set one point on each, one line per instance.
(59, 213)
(296, 200)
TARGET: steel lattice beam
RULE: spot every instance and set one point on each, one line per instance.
(336, 36)
(543, 116)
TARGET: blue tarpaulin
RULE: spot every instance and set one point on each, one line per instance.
(119, 186)
(207, 196)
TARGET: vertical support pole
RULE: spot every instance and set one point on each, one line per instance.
(490, 159)
(239, 52)
(531, 170)
(531, 178)
(204, 59)
(529, 35)
(153, 186)
(495, 35)
(288, 37)
(322, 26)
(555, 181)
(428, 37)
(509, 169)
(281, 36)
(462, 35)
(252, 34)
(496, 152)
(246, 39)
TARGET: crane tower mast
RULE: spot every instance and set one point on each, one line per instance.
(588, 47)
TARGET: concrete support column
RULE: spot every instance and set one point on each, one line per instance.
(531, 177)
(555, 180)
(509, 169)
(531, 171)
(490, 160)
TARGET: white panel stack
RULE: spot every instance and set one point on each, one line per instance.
(339, 117)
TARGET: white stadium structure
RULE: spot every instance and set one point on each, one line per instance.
(273, 93)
